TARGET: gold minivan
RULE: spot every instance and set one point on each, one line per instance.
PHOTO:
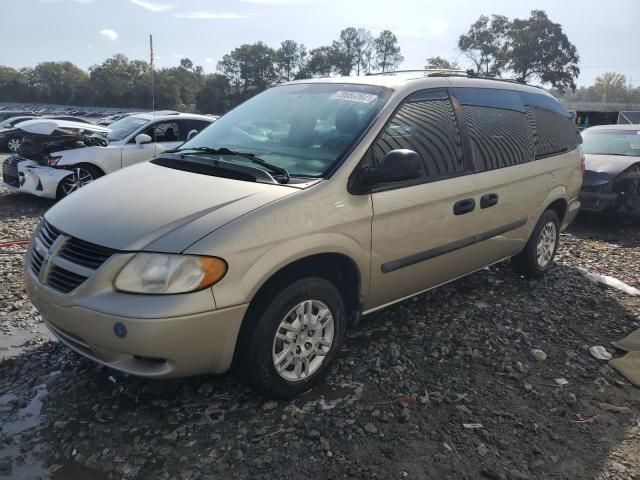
(261, 240)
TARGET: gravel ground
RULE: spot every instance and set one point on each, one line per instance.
(395, 406)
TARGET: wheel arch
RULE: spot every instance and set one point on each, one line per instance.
(337, 268)
(557, 201)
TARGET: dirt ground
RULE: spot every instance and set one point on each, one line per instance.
(442, 386)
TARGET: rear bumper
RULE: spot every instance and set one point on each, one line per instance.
(572, 211)
(598, 201)
(150, 347)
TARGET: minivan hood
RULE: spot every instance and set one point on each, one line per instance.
(154, 208)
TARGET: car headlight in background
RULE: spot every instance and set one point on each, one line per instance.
(159, 273)
(54, 160)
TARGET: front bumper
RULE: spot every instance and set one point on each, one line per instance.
(159, 340)
(27, 176)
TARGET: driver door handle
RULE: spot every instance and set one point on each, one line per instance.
(488, 200)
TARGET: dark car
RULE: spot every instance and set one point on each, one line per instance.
(8, 140)
(11, 137)
(612, 168)
(5, 114)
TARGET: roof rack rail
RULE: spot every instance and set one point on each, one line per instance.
(445, 72)
(426, 70)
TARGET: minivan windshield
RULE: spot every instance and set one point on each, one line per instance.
(125, 127)
(611, 142)
(303, 128)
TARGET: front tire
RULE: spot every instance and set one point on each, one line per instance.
(83, 174)
(292, 338)
(537, 256)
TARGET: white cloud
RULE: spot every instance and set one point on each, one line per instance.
(208, 60)
(439, 26)
(200, 15)
(152, 6)
(110, 34)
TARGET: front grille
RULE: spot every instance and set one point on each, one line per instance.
(85, 253)
(71, 261)
(63, 280)
(10, 171)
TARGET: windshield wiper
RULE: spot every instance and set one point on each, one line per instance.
(282, 172)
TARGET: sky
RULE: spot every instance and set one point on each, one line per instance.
(86, 32)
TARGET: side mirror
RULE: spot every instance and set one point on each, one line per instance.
(142, 138)
(396, 166)
(191, 134)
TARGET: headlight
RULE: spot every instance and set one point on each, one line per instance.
(159, 273)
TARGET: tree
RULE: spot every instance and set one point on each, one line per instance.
(320, 64)
(251, 65)
(230, 68)
(611, 87)
(119, 82)
(538, 48)
(186, 63)
(212, 97)
(440, 63)
(345, 54)
(290, 59)
(485, 44)
(388, 55)
(362, 50)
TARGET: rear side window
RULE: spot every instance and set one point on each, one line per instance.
(554, 131)
(426, 124)
(498, 127)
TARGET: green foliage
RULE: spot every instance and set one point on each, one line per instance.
(388, 56)
(538, 48)
(440, 63)
(485, 44)
(290, 58)
(531, 48)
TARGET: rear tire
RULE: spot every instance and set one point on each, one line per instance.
(292, 338)
(537, 256)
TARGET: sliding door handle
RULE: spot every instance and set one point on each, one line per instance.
(464, 206)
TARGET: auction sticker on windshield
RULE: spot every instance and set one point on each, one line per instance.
(354, 96)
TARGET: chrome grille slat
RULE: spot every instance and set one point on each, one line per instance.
(63, 262)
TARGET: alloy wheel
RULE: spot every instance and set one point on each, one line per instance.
(546, 244)
(78, 179)
(13, 144)
(302, 340)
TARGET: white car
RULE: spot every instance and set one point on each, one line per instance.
(131, 140)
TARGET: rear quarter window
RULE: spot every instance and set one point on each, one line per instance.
(554, 131)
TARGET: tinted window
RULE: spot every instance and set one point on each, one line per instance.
(498, 127)
(168, 131)
(198, 125)
(426, 124)
(553, 129)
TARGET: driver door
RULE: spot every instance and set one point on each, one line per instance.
(422, 230)
(164, 135)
